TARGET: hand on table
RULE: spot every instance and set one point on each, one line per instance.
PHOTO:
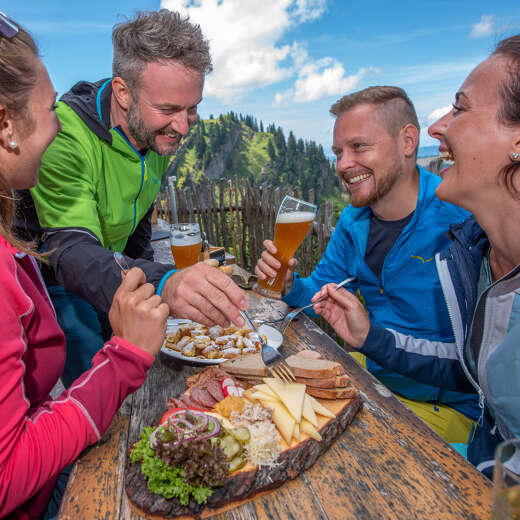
(267, 266)
(206, 295)
(345, 313)
(137, 314)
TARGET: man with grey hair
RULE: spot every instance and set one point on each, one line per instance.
(387, 238)
(100, 177)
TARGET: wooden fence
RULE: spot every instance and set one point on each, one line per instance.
(240, 215)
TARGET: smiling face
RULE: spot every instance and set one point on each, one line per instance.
(368, 160)
(33, 136)
(166, 106)
(471, 136)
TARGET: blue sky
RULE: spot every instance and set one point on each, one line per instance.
(287, 61)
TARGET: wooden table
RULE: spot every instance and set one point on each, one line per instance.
(386, 465)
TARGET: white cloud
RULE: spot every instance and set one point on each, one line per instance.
(325, 78)
(438, 113)
(485, 27)
(283, 99)
(244, 36)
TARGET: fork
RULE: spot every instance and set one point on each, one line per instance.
(272, 359)
(121, 263)
(291, 315)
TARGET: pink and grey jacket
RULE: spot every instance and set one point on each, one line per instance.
(39, 436)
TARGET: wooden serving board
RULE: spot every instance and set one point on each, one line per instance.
(250, 481)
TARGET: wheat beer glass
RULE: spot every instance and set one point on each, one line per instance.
(185, 244)
(506, 481)
(293, 222)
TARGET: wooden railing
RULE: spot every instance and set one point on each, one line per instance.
(240, 215)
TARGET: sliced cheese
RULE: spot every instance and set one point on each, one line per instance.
(308, 428)
(265, 389)
(291, 395)
(260, 396)
(308, 411)
(320, 409)
(282, 419)
(296, 432)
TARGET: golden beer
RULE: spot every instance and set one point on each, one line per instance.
(185, 244)
(506, 504)
(185, 256)
(289, 231)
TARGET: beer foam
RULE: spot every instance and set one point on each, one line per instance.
(295, 217)
(178, 239)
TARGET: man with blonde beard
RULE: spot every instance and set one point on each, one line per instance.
(387, 238)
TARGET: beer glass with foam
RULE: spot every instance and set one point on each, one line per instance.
(293, 222)
(185, 244)
(506, 481)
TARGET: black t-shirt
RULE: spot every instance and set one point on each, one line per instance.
(381, 238)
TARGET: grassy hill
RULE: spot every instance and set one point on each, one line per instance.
(235, 145)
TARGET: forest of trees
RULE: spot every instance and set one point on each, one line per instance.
(236, 145)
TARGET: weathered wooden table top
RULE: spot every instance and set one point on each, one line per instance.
(386, 465)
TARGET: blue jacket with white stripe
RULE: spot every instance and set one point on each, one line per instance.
(485, 355)
(408, 296)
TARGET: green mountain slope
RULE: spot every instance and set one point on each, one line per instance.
(235, 145)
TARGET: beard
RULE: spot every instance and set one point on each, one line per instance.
(144, 135)
(385, 183)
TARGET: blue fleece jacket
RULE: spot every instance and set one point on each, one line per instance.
(408, 296)
(485, 354)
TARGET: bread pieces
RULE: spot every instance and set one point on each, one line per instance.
(314, 368)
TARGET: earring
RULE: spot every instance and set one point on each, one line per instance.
(515, 156)
(13, 145)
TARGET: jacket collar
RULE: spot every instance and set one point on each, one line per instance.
(91, 102)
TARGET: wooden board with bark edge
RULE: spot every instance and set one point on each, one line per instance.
(249, 482)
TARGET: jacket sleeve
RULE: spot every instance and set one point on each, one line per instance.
(139, 244)
(431, 362)
(83, 266)
(37, 440)
(332, 268)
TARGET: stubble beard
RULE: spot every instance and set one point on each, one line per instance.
(143, 135)
(382, 188)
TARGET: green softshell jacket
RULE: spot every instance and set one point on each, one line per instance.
(94, 196)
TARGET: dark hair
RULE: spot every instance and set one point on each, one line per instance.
(509, 111)
(155, 36)
(396, 109)
(18, 77)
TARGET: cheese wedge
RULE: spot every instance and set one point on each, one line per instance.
(265, 389)
(291, 395)
(296, 432)
(308, 411)
(319, 408)
(308, 428)
(260, 396)
(282, 419)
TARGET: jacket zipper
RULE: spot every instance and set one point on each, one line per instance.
(448, 292)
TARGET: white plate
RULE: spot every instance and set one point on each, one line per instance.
(274, 339)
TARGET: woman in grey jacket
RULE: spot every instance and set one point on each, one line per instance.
(480, 272)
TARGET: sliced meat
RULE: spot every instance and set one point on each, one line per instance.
(215, 389)
(206, 375)
(202, 396)
(190, 403)
(174, 403)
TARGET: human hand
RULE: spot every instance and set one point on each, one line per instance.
(206, 295)
(345, 313)
(268, 265)
(137, 314)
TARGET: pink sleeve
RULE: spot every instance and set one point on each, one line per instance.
(36, 444)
